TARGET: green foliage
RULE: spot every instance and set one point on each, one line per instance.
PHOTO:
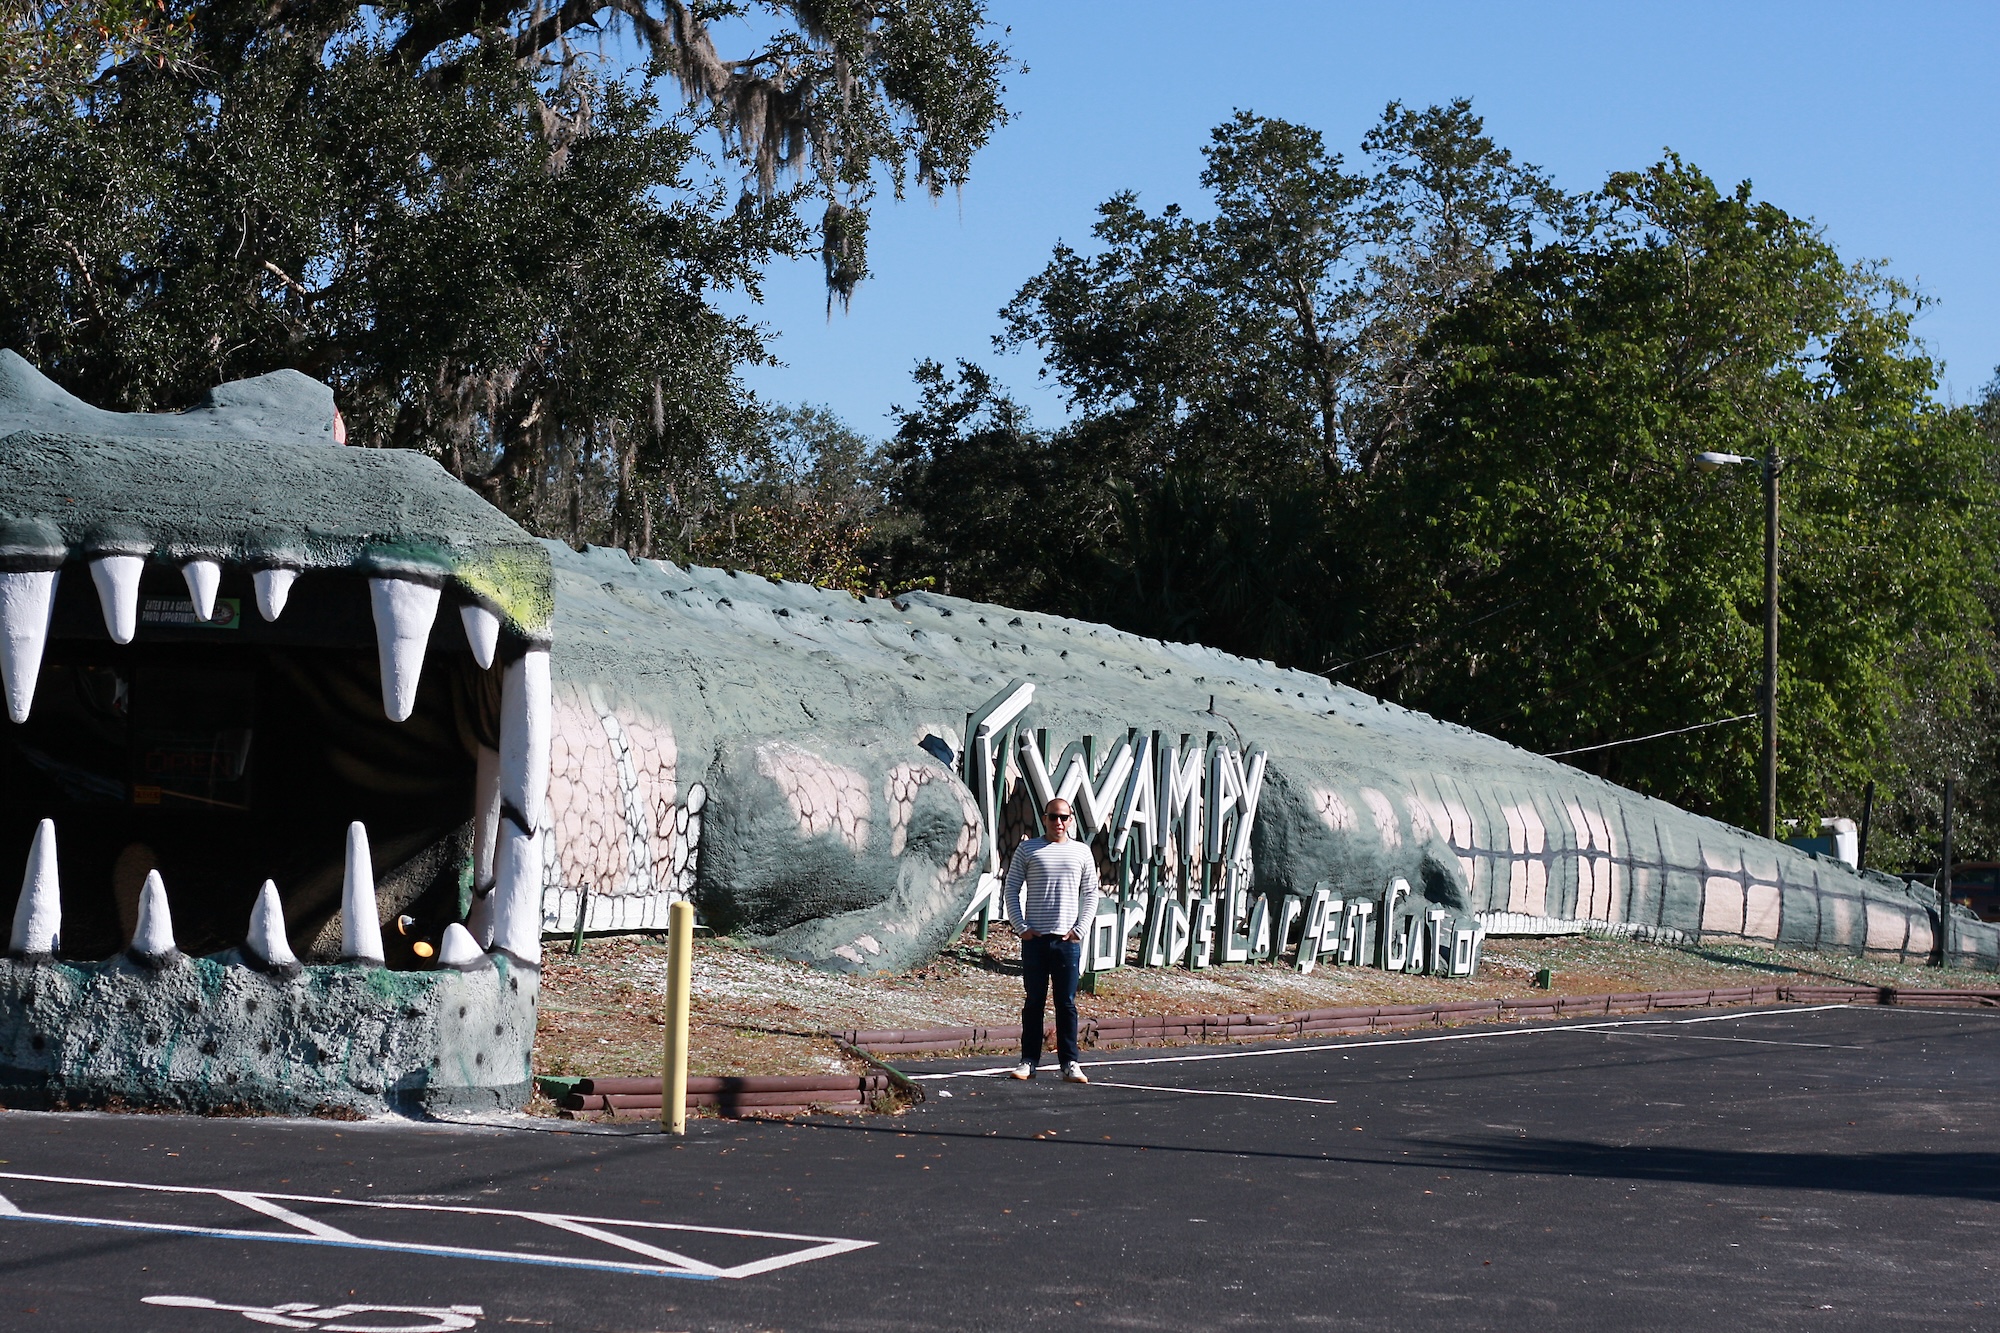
(993, 508)
(1944, 729)
(1240, 377)
(1428, 426)
(497, 244)
(1553, 459)
(54, 48)
(801, 499)
(1277, 336)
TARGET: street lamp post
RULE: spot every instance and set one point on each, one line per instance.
(1770, 465)
(1944, 883)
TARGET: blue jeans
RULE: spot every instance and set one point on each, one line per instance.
(1046, 960)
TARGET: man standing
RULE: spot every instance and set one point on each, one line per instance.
(1051, 900)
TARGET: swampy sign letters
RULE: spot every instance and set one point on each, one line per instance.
(309, 858)
(1175, 824)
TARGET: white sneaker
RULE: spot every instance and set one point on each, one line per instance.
(1073, 1073)
(1024, 1070)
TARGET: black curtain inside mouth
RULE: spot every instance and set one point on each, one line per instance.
(229, 753)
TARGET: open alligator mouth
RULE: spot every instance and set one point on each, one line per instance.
(225, 641)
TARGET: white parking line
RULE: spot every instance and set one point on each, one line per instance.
(257, 1203)
(1696, 1036)
(1216, 1092)
(1758, 1013)
(1263, 1052)
(308, 1231)
(1980, 1009)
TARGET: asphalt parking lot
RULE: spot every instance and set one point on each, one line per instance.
(1827, 1168)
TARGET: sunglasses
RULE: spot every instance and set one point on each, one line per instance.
(1060, 818)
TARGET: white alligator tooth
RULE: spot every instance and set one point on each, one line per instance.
(273, 587)
(482, 631)
(153, 937)
(38, 914)
(404, 610)
(517, 898)
(266, 941)
(117, 579)
(479, 917)
(27, 601)
(360, 916)
(485, 816)
(203, 578)
(457, 948)
(524, 734)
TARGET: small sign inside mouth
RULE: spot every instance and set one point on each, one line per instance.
(179, 611)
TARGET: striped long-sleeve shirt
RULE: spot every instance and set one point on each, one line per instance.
(1052, 886)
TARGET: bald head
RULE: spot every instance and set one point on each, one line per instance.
(1057, 820)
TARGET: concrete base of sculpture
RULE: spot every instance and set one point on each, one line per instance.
(206, 1035)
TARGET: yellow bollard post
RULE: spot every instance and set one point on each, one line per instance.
(674, 1060)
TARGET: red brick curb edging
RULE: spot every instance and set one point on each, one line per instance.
(1206, 1028)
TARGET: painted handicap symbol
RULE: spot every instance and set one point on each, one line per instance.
(306, 1314)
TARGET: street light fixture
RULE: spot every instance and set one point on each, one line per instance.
(1770, 465)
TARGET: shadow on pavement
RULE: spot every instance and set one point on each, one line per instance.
(1939, 1175)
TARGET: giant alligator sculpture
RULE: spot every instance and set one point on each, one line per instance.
(247, 668)
(812, 720)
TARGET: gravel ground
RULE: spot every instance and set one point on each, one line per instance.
(754, 1014)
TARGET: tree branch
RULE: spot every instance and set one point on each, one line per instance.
(289, 281)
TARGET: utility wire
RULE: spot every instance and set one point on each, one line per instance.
(1479, 724)
(1634, 740)
(1437, 637)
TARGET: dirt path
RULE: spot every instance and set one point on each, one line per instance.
(754, 1014)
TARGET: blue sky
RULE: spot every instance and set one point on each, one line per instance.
(1877, 121)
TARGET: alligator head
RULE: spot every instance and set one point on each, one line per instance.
(225, 640)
